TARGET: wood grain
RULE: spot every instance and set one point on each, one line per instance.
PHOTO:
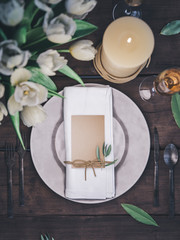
(45, 211)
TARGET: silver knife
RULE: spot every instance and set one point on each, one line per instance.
(156, 168)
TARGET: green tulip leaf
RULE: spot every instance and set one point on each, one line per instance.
(2, 35)
(39, 77)
(20, 35)
(175, 107)
(139, 214)
(171, 28)
(37, 39)
(53, 93)
(83, 29)
(15, 119)
(66, 70)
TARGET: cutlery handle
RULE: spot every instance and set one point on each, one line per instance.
(171, 202)
(156, 185)
(21, 181)
(10, 198)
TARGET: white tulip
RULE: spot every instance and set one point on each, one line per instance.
(33, 115)
(13, 106)
(26, 93)
(12, 56)
(83, 50)
(79, 8)
(59, 29)
(11, 12)
(50, 61)
(2, 90)
(42, 4)
(3, 111)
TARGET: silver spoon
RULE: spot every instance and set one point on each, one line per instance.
(171, 158)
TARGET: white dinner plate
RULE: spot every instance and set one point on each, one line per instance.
(131, 145)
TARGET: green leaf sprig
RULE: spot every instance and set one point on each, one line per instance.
(106, 150)
(46, 237)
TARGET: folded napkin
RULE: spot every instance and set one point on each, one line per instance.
(88, 102)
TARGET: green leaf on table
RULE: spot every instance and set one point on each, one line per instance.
(2, 35)
(139, 214)
(16, 119)
(66, 70)
(175, 107)
(171, 28)
(39, 77)
(98, 153)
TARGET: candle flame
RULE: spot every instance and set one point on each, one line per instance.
(129, 40)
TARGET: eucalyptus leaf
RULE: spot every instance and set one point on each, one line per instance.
(66, 70)
(108, 151)
(98, 153)
(15, 118)
(113, 162)
(175, 107)
(171, 28)
(103, 149)
(139, 214)
(39, 77)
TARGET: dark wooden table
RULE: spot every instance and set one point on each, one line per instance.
(45, 211)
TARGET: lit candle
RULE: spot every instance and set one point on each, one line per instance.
(128, 42)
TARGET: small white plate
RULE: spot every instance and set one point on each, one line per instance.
(131, 145)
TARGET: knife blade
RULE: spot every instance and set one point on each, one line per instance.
(156, 168)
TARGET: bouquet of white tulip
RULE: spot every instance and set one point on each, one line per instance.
(28, 32)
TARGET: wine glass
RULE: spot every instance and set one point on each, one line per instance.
(127, 8)
(166, 83)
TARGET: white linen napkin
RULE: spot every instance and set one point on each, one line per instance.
(89, 101)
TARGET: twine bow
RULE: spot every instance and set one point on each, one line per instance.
(78, 163)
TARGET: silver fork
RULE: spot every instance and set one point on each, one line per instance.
(21, 152)
(10, 161)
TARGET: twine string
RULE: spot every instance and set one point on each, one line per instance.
(79, 163)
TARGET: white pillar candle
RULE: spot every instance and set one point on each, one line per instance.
(128, 42)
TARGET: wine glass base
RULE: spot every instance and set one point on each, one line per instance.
(122, 9)
(147, 91)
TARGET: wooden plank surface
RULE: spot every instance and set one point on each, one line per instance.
(45, 211)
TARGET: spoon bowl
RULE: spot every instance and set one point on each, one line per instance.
(170, 155)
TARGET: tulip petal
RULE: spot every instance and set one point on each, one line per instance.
(2, 90)
(20, 75)
(33, 115)
(13, 106)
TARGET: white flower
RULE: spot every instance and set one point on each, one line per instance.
(11, 12)
(3, 111)
(42, 4)
(59, 29)
(33, 115)
(26, 93)
(11, 56)
(2, 90)
(83, 50)
(50, 61)
(79, 8)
